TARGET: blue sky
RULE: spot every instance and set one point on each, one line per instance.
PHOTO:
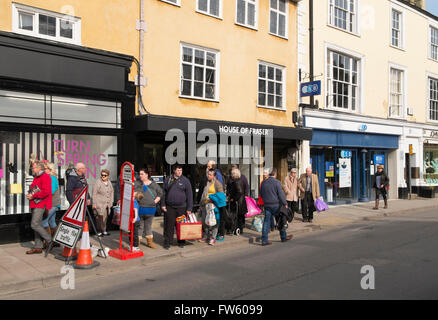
(432, 6)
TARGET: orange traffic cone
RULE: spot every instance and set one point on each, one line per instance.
(85, 261)
(66, 253)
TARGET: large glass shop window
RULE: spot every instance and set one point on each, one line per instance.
(430, 170)
(64, 150)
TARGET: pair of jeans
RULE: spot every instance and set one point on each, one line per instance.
(50, 220)
(269, 212)
(135, 234)
(37, 226)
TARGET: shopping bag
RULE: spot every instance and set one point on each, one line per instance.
(189, 231)
(210, 218)
(116, 216)
(253, 208)
(257, 224)
(320, 205)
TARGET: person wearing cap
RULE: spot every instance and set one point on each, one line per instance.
(381, 184)
(290, 188)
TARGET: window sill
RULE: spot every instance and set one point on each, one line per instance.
(398, 48)
(431, 59)
(247, 26)
(208, 14)
(172, 3)
(198, 99)
(278, 36)
(271, 108)
(343, 30)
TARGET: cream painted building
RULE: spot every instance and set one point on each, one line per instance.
(378, 66)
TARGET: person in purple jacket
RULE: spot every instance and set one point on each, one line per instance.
(177, 200)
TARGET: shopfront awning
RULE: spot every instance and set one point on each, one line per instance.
(353, 139)
(164, 123)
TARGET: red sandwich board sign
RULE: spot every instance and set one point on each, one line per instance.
(126, 213)
(70, 227)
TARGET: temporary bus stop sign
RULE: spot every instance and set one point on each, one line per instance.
(126, 213)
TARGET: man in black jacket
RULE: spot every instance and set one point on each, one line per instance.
(76, 182)
(381, 183)
(177, 200)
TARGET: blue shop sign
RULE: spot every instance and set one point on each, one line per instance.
(310, 89)
(379, 159)
(345, 154)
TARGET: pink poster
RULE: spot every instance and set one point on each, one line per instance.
(1, 173)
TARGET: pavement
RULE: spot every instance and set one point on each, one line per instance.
(22, 273)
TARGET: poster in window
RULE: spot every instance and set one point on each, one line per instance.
(344, 173)
(329, 169)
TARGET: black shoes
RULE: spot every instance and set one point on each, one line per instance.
(267, 243)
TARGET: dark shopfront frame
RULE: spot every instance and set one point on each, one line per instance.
(336, 141)
(32, 65)
(152, 128)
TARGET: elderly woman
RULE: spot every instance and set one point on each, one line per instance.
(237, 199)
(49, 223)
(103, 198)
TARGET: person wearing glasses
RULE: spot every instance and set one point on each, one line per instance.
(103, 198)
(49, 223)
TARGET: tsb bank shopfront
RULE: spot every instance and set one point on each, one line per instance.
(346, 161)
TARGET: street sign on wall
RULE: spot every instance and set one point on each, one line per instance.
(310, 88)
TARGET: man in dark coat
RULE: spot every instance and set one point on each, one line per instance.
(76, 182)
(381, 184)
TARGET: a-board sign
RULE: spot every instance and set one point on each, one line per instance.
(127, 197)
(70, 227)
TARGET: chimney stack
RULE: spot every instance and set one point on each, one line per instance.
(419, 3)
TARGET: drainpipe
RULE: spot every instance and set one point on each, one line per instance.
(312, 98)
(140, 81)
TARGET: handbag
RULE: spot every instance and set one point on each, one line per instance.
(320, 205)
(210, 218)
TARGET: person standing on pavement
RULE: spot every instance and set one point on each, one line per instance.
(211, 164)
(381, 184)
(138, 196)
(273, 198)
(40, 200)
(290, 188)
(309, 192)
(49, 223)
(103, 198)
(213, 186)
(152, 194)
(177, 201)
(237, 199)
(244, 180)
(76, 182)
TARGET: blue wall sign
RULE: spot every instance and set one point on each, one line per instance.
(310, 89)
(379, 159)
(346, 154)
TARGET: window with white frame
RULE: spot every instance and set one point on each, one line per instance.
(434, 43)
(46, 24)
(396, 103)
(210, 7)
(278, 11)
(343, 81)
(396, 28)
(177, 2)
(433, 99)
(199, 72)
(271, 86)
(246, 13)
(343, 14)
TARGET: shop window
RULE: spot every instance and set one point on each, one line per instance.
(52, 110)
(46, 24)
(430, 167)
(64, 150)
